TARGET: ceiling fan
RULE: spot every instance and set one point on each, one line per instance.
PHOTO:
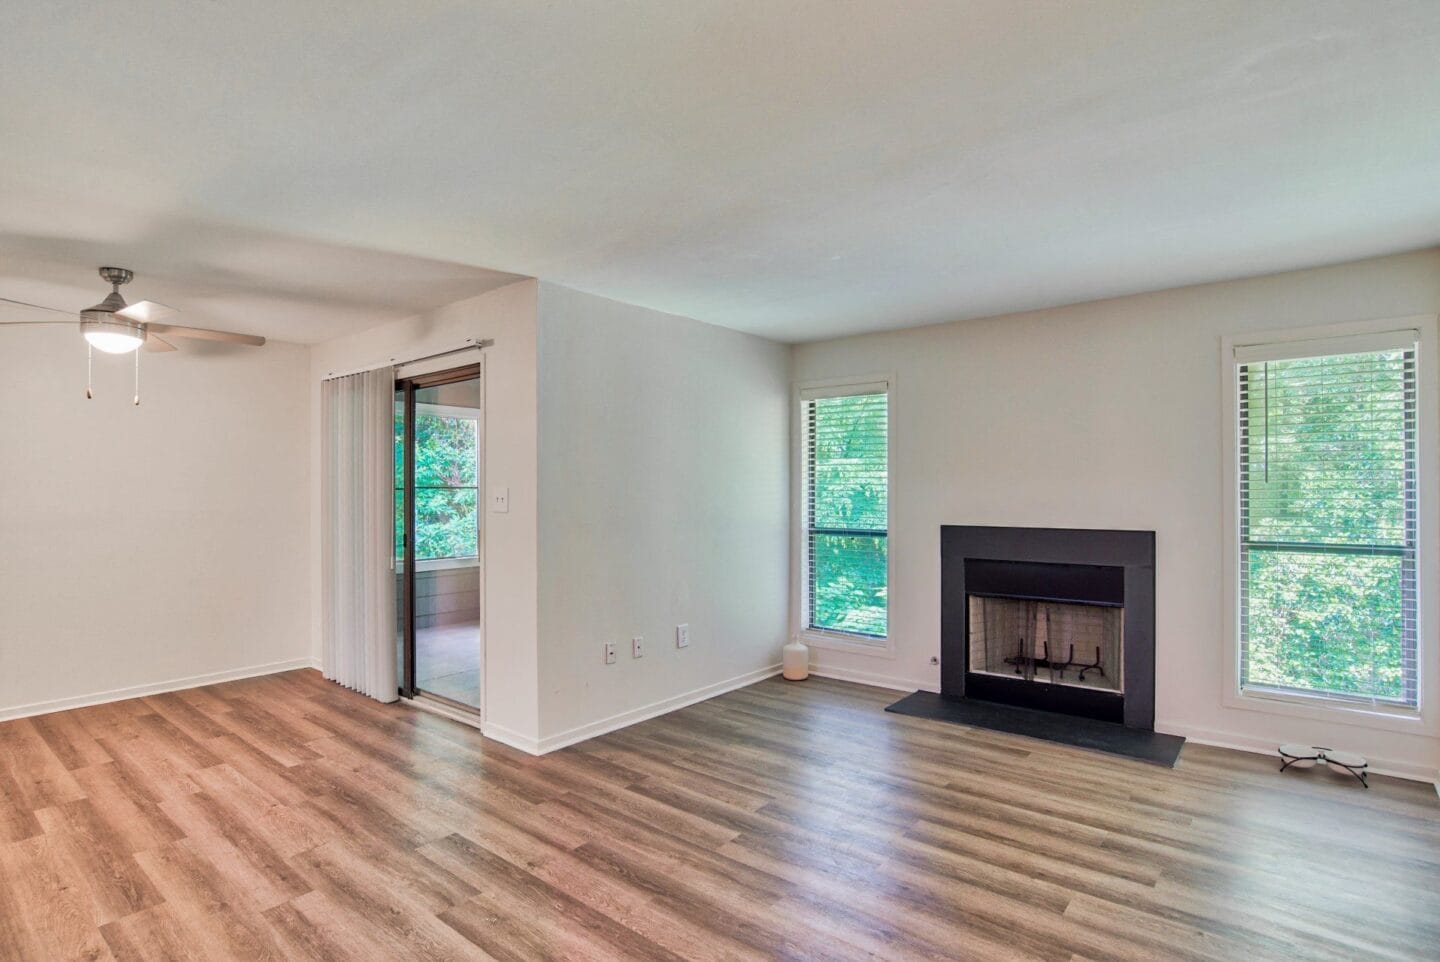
(114, 327)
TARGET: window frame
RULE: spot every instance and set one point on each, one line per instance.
(806, 391)
(463, 414)
(1295, 342)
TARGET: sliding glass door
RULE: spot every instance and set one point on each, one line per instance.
(438, 528)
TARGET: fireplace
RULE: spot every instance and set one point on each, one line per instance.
(1056, 619)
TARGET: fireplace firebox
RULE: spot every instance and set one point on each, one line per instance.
(1057, 619)
(1035, 640)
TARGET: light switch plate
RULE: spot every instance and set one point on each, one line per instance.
(609, 652)
(499, 500)
(637, 647)
(682, 636)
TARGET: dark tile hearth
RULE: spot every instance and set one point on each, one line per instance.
(1114, 739)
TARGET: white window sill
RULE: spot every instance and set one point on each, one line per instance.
(1321, 709)
(447, 564)
(839, 641)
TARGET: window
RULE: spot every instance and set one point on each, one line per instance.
(447, 494)
(1327, 519)
(847, 509)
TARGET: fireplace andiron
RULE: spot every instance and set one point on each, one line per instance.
(1022, 661)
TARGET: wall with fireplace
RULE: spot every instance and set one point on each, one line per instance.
(1103, 415)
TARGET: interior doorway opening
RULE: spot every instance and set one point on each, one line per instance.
(439, 532)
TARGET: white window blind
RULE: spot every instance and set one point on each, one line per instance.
(1327, 486)
(847, 511)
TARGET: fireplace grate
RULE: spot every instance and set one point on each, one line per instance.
(1038, 640)
(1026, 664)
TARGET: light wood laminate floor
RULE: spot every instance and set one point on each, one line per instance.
(286, 818)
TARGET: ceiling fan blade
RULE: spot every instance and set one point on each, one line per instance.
(38, 307)
(155, 343)
(228, 337)
(18, 323)
(146, 312)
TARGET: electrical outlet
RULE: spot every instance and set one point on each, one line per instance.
(637, 647)
(682, 636)
(499, 500)
(609, 652)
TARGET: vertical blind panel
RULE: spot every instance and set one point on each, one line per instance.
(846, 509)
(358, 582)
(1327, 525)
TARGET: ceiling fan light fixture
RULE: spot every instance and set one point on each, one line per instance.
(111, 336)
(103, 328)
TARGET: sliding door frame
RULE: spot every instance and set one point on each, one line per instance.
(407, 593)
(409, 385)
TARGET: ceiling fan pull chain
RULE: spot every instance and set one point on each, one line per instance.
(137, 377)
(89, 371)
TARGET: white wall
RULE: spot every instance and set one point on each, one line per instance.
(146, 547)
(508, 316)
(1103, 415)
(663, 500)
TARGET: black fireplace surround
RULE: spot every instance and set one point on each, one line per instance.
(1103, 569)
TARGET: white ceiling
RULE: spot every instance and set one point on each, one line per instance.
(798, 169)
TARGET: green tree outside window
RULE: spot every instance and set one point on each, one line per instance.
(447, 496)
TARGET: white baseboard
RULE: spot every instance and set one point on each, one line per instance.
(139, 691)
(503, 735)
(1261, 746)
(868, 678)
(625, 719)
